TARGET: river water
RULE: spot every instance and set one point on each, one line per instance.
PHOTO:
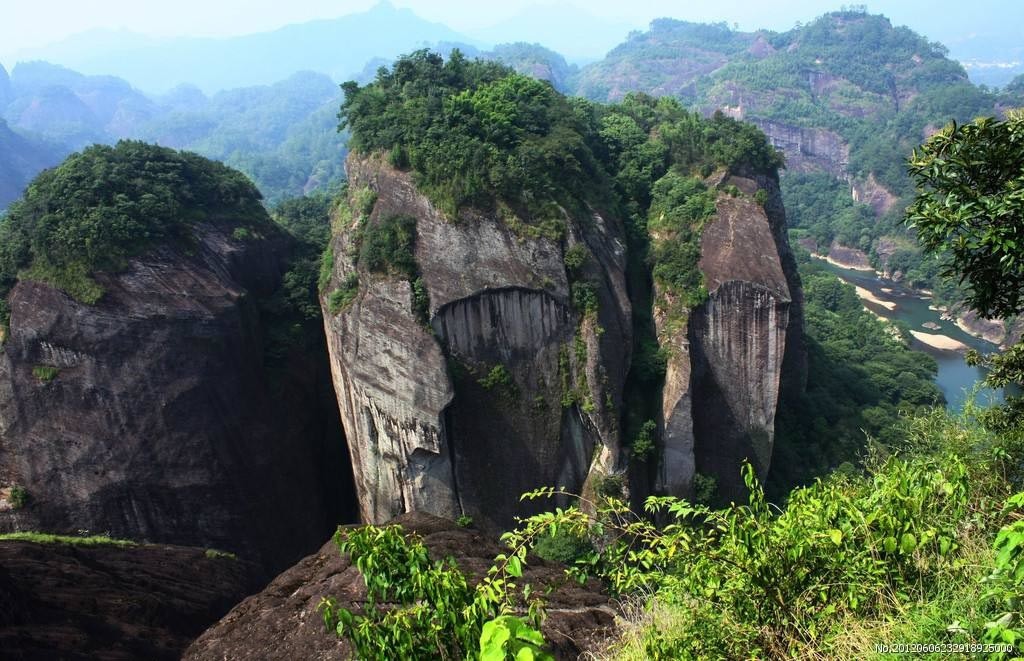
(955, 377)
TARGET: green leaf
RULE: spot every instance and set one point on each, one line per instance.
(908, 543)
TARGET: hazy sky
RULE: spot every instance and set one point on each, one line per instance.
(30, 23)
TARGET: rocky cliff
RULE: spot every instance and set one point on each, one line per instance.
(60, 601)
(150, 415)
(504, 381)
(282, 621)
(807, 149)
(733, 355)
(500, 383)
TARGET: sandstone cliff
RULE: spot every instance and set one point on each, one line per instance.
(733, 355)
(282, 621)
(501, 384)
(807, 149)
(105, 603)
(150, 415)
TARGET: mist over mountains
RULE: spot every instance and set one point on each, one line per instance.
(267, 103)
(338, 48)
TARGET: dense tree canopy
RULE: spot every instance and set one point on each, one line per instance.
(106, 204)
(476, 133)
(970, 204)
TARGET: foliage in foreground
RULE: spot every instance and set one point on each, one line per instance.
(418, 608)
(904, 542)
(830, 574)
(969, 210)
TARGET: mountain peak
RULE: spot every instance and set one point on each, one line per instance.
(383, 7)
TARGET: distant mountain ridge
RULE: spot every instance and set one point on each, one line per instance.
(336, 47)
(21, 158)
(283, 135)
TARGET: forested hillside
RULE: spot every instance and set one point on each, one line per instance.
(847, 97)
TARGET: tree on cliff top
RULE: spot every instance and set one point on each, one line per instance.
(475, 133)
(106, 204)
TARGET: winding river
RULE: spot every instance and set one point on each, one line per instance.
(955, 377)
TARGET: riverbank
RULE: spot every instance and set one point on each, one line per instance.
(937, 341)
(993, 331)
(945, 344)
(867, 295)
(844, 264)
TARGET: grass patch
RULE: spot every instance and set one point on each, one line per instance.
(341, 297)
(216, 554)
(71, 540)
(73, 279)
(326, 268)
(45, 373)
(242, 234)
(18, 497)
(387, 246)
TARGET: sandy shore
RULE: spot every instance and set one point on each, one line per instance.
(844, 265)
(866, 295)
(937, 341)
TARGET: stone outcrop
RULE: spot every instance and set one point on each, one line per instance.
(151, 416)
(500, 384)
(503, 385)
(807, 149)
(112, 604)
(282, 621)
(734, 354)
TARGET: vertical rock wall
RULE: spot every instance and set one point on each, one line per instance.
(150, 415)
(504, 387)
(729, 361)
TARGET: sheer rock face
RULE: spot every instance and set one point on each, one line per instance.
(808, 149)
(154, 418)
(503, 387)
(734, 354)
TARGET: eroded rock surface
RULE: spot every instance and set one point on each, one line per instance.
(503, 385)
(732, 357)
(112, 604)
(150, 415)
(282, 622)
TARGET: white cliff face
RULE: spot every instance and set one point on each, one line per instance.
(427, 429)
